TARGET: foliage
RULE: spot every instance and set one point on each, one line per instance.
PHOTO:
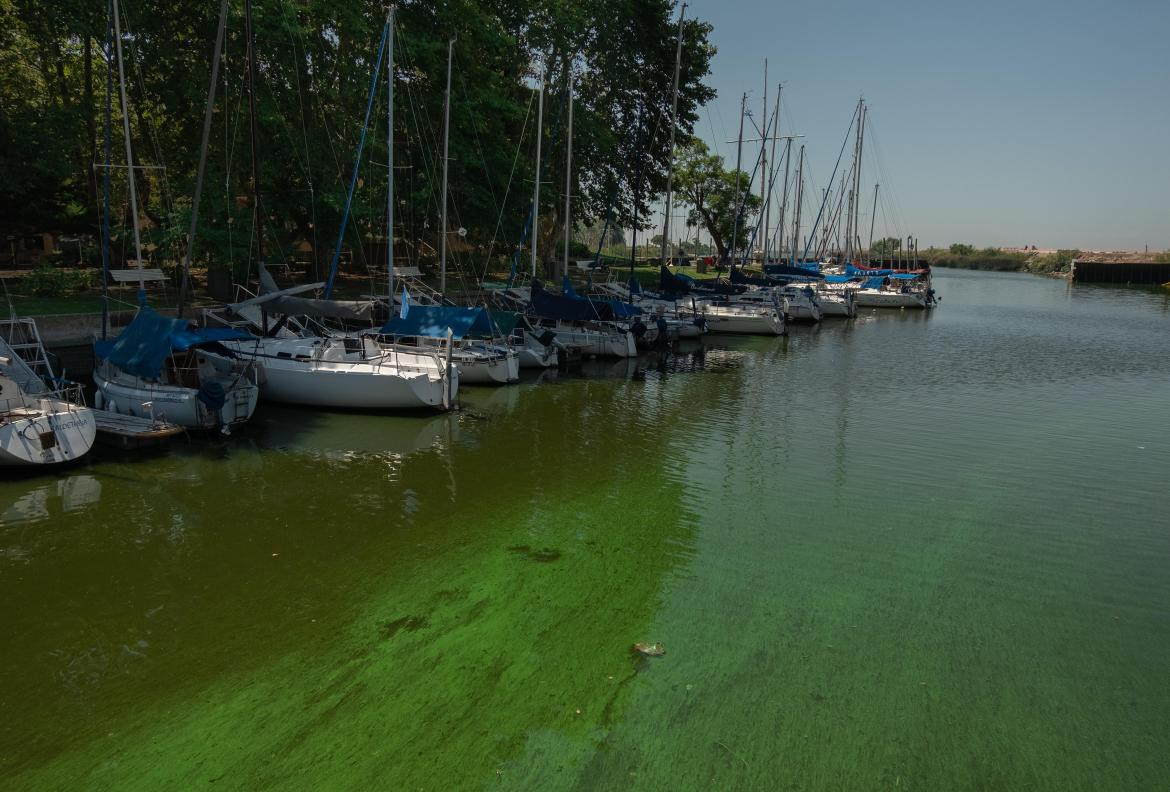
(703, 184)
(886, 247)
(1163, 257)
(1060, 261)
(959, 249)
(47, 281)
(314, 60)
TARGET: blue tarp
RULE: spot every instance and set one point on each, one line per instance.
(669, 283)
(578, 309)
(432, 321)
(839, 278)
(185, 338)
(873, 283)
(567, 287)
(737, 276)
(905, 276)
(149, 339)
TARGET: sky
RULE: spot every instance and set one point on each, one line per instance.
(994, 123)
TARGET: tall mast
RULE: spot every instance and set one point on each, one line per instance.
(536, 186)
(106, 179)
(390, 160)
(446, 139)
(673, 124)
(784, 201)
(129, 154)
(738, 162)
(568, 178)
(857, 177)
(223, 11)
(771, 176)
(872, 217)
(257, 212)
(799, 200)
(763, 155)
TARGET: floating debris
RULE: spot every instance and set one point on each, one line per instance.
(650, 649)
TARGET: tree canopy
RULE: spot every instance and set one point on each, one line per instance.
(313, 61)
(708, 189)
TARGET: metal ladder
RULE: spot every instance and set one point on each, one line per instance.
(20, 341)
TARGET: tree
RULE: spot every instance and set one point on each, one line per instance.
(886, 247)
(962, 250)
(708, 189)
(314, 60)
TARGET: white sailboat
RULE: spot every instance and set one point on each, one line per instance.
(157, 368)
(39, 426)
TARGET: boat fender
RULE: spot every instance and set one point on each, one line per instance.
(99, 400)
(661, 328)
(213, 395)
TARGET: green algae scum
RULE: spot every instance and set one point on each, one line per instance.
(911, 551)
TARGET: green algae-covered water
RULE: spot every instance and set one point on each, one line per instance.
(911, 551)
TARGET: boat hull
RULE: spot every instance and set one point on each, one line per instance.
(173, 403)
(868, 298)
(53, 433)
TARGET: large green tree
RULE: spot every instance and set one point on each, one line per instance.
(314, 60)
(708, 188)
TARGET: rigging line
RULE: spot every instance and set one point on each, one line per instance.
(304, 133)
(511, 176)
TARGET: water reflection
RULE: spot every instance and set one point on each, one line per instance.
(42, 500)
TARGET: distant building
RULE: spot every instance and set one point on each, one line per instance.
(1120, 268)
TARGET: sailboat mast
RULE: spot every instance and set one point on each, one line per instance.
(673, 124)
(857, 177)
(763, 155)
(185, 269)
(738, 163)
(106, 179)
(536, 186)
(771, 176)
(784, 200)
(799, 201)
(257, 213)
(446, 140)
(873, 216)
(390, 160)
(129, 153)
(568, 179)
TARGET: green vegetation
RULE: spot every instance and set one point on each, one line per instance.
(962, 256)
(886, 247)
(313, 66)
(708, 188)
(47, 281)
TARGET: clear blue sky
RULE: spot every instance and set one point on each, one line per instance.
(998, 123)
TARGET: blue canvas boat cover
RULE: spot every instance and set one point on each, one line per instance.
(432, 321)
(839, 278)
(873, 283)
(577, 309)
(905, 276)
(149, 339)
(737, 276)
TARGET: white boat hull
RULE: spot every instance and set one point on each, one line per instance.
(319, 372)
(47, 432)
(873, 298)
(127, 395)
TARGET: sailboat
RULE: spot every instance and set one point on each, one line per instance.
(302, 361)
(38, 426)
(161, 368)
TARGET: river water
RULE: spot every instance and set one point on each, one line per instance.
(910, 551)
